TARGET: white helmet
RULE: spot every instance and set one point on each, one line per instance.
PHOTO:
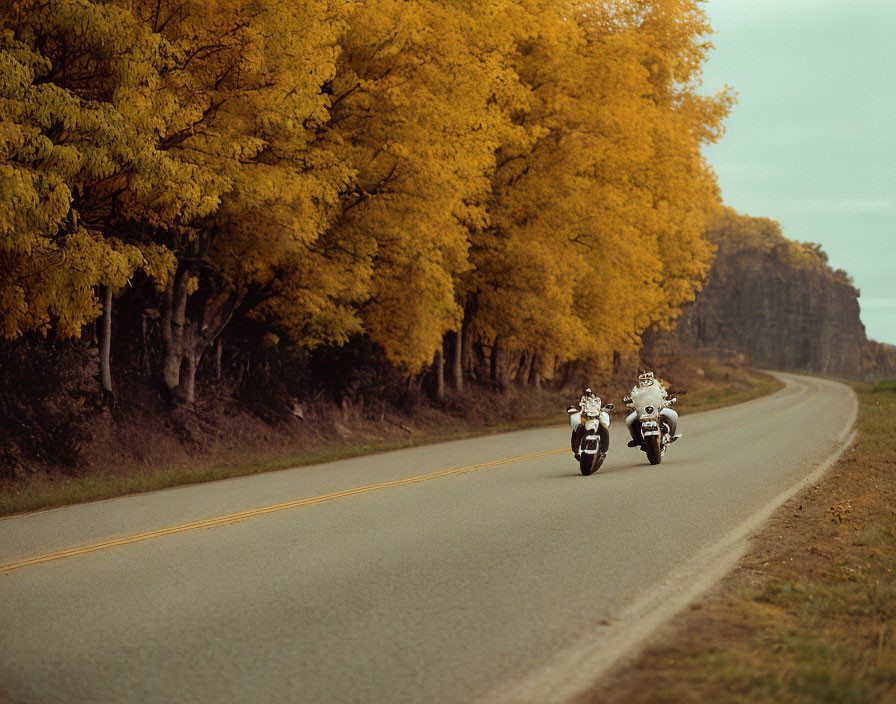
(645, 379)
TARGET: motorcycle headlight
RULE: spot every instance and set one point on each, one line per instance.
(650, 409)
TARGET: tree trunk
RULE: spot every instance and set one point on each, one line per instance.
(513, 365)
(185, 339)
(106, 349)
(523, 376)
(188, 376)
(566, 373)
(438, 367)
(534, 373)
(457, 360)
(499, 365)
(147, 366)
(173, 319)
(466, 342)
(219, 351)
(415, 386)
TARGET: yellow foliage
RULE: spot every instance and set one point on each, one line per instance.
(597, 225)
(382, 167)
(66, 143)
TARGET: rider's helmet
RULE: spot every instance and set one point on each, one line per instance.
(645, 379)
(587, 392)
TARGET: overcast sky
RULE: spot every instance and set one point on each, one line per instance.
(811, 142)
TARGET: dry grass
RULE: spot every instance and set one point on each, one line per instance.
(726, 385)
(810, 617)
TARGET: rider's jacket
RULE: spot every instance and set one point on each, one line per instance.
(654, 395)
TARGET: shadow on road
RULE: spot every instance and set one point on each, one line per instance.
(573, 470)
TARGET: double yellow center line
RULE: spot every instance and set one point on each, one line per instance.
(242, 516)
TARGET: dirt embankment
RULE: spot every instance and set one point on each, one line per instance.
(62, 445)
(809, 615)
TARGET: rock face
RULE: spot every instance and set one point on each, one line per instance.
(779, 304)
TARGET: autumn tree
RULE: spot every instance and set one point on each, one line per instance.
(248, 82)
(76, 131)
(414, 114)
(519, 177)
(596, 228)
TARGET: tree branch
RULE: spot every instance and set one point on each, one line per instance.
(176, 138)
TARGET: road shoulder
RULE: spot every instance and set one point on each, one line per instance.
(809, 613)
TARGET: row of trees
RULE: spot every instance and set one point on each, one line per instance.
(520, 176)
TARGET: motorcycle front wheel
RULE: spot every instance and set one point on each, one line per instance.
(654, 450)
(588, 464)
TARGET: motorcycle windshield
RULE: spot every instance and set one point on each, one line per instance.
(591, 405)
(651, 396)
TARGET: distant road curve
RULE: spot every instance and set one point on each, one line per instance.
(478, 570)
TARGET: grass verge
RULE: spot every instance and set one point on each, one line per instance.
(810, 614)
(740, 387)
(722, 384)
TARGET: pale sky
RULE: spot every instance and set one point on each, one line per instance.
(811, 142)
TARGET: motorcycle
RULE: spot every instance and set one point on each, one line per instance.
(591, 416)
(655, 431)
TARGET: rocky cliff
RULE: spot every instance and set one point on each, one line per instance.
(779, 304)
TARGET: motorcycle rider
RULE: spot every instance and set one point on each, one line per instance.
(588, 399)
(646, 379)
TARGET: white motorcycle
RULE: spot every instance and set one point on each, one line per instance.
(587, 420)
(648, 403)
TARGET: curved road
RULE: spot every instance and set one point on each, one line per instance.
(438, 574)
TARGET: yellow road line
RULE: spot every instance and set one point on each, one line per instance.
(242, 516)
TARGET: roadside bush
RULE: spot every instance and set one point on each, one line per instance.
(48, 399)
(888, 385)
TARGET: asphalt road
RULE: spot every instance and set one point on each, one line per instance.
(505, 581)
